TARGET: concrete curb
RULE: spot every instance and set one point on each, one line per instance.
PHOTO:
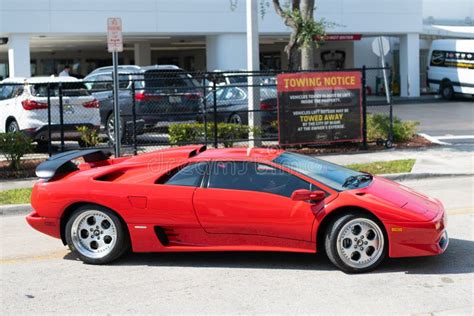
(15, 209)
(418, 176)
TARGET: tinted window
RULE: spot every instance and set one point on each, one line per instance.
(6, 92)
(70, 89)
(252, 176)
(167, 79)
(190, 175)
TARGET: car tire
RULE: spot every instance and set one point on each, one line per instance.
(96, 234)
(110, 128)
(235, 119)
(356, 243)
(447, 91)
(13, 126)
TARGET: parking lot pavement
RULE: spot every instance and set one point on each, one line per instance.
(39, 275)
(452, 121)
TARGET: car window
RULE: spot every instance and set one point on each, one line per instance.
(167, 79)
(233, 94)
(6, 91)
(191, 175)
(257, 177)
(102, 82)
(70, 89)
(210, 96)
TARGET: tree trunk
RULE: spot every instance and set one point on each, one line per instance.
(292, 52)
(307, 51)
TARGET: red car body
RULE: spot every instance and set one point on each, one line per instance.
(207, 219)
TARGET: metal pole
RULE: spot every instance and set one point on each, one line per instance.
(61, 115)
(214, 94)
(253, 64)
(382, 55)
(116, 105)
(134, 118)
(50, 149)
(204, 104)
(364, 109)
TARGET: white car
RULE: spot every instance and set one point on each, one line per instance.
(451, 67)
(24, 107)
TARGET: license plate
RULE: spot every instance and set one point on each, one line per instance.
(175, 99)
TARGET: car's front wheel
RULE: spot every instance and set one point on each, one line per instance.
(355, 243)
(96, 234)
(110, 128)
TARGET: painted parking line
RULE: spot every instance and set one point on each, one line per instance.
(447, 140)
(50, 256)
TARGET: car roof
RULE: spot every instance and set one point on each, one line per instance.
(134, 69)
(42, 79)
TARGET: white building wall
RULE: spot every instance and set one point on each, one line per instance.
(172, 17)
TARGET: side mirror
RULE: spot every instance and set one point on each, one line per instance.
(307, 195)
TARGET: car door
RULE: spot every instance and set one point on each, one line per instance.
(169, 199)
(254, 198)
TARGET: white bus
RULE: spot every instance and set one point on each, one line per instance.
(451, 67)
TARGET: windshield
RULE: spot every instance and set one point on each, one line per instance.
(332, 175)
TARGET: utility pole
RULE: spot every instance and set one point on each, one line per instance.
(253, 65)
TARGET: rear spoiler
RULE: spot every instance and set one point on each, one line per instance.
(62, 163)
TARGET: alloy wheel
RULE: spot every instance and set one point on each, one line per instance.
(360, 243)
(94, 234)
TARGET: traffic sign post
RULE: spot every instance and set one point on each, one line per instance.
(381, 47)
(114, 46)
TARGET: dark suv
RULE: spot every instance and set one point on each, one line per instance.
(163, 94)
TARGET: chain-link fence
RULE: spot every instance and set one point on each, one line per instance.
(159, 107)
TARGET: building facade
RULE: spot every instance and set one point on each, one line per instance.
(38, 37)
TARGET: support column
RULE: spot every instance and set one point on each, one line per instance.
(19, 55)
(226, 51)
(142, 54)
(410, 65)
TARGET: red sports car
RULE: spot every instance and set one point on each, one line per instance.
(196, 199)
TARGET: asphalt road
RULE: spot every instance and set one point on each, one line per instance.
(452, 121)
(39, 275)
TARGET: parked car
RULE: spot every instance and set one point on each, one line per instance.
(244, 199)
(24, 107)
(163, 94)
(451, 67)
(232, 105)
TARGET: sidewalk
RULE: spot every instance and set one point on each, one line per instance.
(441, 161)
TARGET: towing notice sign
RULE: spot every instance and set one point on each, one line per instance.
(319, 107)
(114, 35)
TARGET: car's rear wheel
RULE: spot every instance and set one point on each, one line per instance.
(13, 127)
(355, 243)
(96, 234)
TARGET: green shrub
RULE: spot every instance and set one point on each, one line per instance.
(89, 136)
(192, 133)
(185, 133)
(14, 146)
(378, 127)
